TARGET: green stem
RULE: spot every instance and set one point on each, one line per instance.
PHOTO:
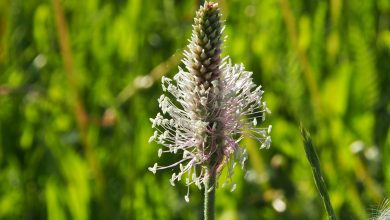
(311, 155)
(209, 198)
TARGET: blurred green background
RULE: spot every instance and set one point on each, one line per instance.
(79, 81)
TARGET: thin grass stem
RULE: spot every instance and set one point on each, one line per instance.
(311, 155)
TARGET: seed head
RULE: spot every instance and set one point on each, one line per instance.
(207, 108)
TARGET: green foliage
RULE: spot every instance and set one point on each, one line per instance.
(80, 79)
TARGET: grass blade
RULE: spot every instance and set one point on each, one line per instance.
(311, 155)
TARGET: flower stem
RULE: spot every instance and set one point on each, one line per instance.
(209, 198)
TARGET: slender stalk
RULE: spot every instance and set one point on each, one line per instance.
(311, 155)
(78, 105)
(209, 198)
(307, 70)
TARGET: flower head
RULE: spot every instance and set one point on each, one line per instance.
(208, 108)
(383, 213)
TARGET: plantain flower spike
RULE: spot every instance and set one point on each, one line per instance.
(208, 108)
